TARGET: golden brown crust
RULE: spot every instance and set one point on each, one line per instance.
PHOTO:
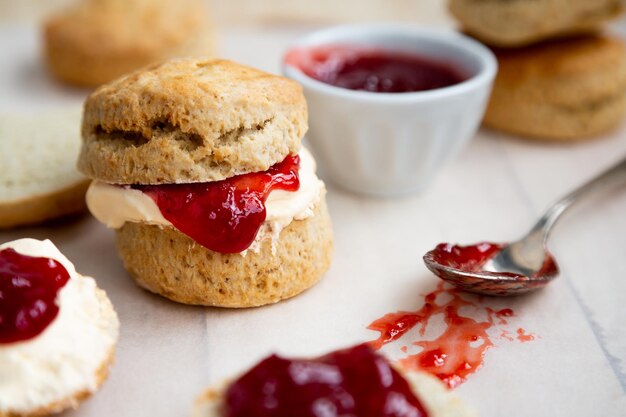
(73, 400)
(99, 40)
(171, 264)
(565, 89)
(41, 208)
(514, 23)
(190, 120)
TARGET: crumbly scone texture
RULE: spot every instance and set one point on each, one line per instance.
(560, 90)
(41, 208)
(511, 23)
(169, 263)
(434, 396)
(96, 41)
(102, 373)
(190, 120)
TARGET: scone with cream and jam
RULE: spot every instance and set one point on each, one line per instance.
(198, 166)
(57, 331)
(351, 382)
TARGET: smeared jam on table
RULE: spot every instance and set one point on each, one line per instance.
(374, 70)
(472, 258)
(224, 216)
(28, 292)
(354, 382)
(459, 350)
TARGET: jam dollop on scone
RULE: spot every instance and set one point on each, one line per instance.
(354, 382)
(198, 166)
(57, 331)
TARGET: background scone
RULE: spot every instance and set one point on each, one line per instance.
(284, 383)
(563, 89)
(197, 168)
(38, 176)
(510, 23)
(96, 41)
(51, 361)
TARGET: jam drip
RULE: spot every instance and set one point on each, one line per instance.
(28, 290)
(374, 70)
(354, 382)
(224, 216)
(459, 351)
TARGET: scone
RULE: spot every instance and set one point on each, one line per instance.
(355, 381)
(509, 23)
(95, 41)
(38, 176)
(198, 166)
(560, 90)
(58, 331)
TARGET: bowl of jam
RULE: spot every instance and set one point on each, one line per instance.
(390, 105)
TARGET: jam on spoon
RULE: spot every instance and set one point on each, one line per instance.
(28, 292)
(373, 69)
(354, 382)
(521, 266)
(224, 216)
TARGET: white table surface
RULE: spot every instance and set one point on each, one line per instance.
(494, 191)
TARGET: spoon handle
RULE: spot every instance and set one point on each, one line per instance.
(602, 180)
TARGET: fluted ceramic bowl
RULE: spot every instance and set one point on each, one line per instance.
(394, 143)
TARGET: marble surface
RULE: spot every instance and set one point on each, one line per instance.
(494, 191)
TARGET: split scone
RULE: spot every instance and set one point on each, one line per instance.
(560, 90)
(512, 23)
(38, 176)
(355, 381)
(198, 166)
(95, 41)
(57, 331)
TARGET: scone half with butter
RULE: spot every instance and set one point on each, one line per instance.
(58, 331)
(354, 381)
(198, 166)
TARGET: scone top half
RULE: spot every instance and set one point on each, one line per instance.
(190, 120)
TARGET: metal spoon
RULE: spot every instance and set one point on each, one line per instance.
(526, 264)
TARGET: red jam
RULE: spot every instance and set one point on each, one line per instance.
(459, 350)
(472, 258)
(354, 382)
(374, 70)
(28, 292)
(224, 216)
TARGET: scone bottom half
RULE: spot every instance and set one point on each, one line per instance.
(167, 262)
(193, 123)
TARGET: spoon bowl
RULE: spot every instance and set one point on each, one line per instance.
(516, 268)
(495, 280)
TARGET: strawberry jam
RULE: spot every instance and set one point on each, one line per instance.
(224, 216)
(374, 70)
(354, 382)
(472, 258)
(28, 292)
(466, 258)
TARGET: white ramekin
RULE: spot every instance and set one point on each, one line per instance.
(394, 143)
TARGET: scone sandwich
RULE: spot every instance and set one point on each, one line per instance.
(58, 331)
(561, 90)
(95, 41)
(351, 382)
(198, 166)
(38, 176)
